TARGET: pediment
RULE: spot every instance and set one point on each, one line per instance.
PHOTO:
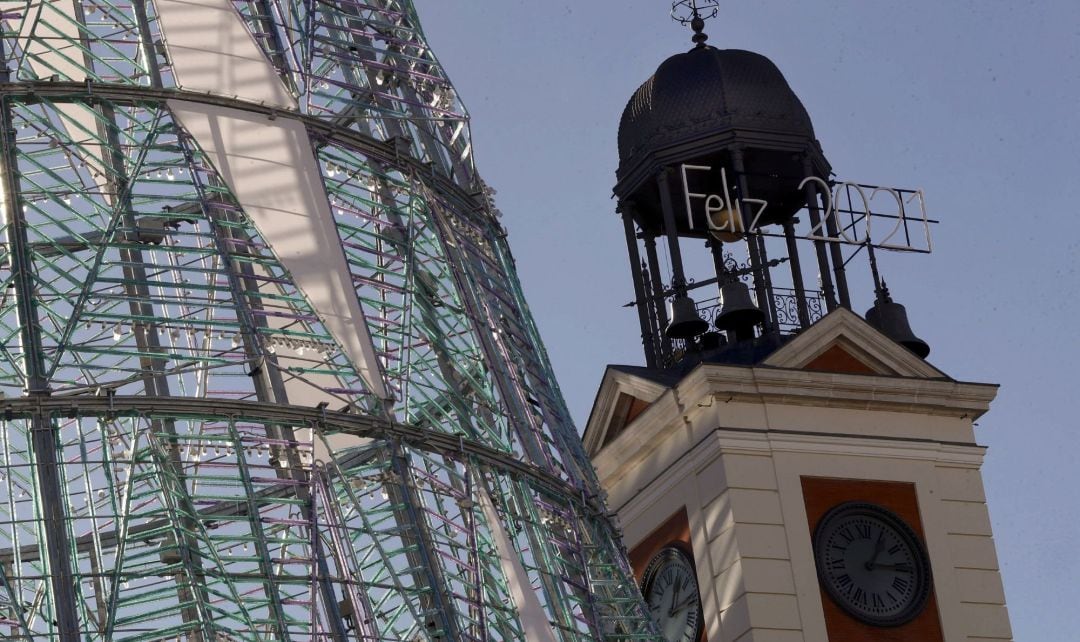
(844, 342)
(625, 393)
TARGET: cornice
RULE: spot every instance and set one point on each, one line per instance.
(613, 384)
(684, 405)
(844, 328)
(628, 502)
(838, 390)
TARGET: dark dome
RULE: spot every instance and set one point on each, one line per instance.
(707, 91)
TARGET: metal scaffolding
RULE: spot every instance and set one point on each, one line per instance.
(267, 370)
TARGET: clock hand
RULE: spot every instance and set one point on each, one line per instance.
(878, 548)
(681, 605)
(896, 567)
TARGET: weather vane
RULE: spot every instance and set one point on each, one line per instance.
(695, 13)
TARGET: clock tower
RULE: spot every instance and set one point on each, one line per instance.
(783, 467)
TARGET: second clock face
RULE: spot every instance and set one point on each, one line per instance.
(671, 590)
(872, 564)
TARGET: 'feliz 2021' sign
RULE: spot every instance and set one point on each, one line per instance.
(849, 215)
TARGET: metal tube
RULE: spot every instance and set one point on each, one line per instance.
(270, 388)
(839, 271)
(678, 279)
(451, 166)
(770, 306)
(407, 503)
(647, 337)
(147, 342)
(796, 274)
(657, 297)
(837, 255)
(265, 19)
(44, 433)
(762, 285)
(716, 248)
(824, 270)
(146, 42)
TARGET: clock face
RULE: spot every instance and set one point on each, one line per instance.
(671, 590)
(872, 564)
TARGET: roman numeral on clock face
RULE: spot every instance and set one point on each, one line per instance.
(670, 587)
(871, 564)
(691, 625)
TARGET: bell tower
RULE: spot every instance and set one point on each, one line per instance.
(783, 467)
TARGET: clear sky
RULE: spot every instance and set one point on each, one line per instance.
(976, 101)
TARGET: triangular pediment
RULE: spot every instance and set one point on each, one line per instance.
(625, 393)
(844, 342)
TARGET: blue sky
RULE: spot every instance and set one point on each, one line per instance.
(974, 101)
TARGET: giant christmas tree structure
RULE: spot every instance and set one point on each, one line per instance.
(267, 369)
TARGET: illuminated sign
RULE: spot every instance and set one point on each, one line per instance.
(850, 214)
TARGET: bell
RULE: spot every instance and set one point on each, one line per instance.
(711, 341)
(891, 320)
(726, 225)
(738, 314)
(685, 321)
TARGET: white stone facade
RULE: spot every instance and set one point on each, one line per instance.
(732, 444)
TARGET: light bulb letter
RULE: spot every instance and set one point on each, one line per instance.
(756, 219)
(858, 216)
(830, 204)
(710, 208)
(901, 222)
(734, 206)
(687, 194)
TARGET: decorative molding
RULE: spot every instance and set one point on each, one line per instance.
(838, 390)
(844, 328)
(614, 383)
(710, 384)
(905, 384)
(614, 470)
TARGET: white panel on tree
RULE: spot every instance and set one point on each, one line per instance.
(212, 52)
(271, 171)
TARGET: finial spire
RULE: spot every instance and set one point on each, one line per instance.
(695, 13)
(881, 291)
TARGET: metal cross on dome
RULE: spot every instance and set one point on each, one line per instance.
(695, 13)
